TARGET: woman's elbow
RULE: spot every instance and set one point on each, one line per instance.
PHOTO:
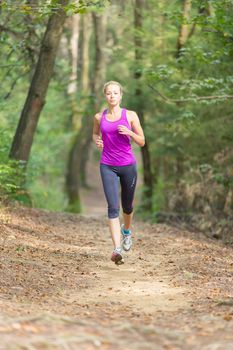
(142, 143)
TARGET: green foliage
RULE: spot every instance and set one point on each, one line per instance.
(74, 207)
(9, 177)
(187, 140)
(44, 10)
(48, 161)
(12, 173)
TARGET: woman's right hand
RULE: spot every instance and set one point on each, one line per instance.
(99, 143)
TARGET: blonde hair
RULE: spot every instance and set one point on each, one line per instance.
(112, 82)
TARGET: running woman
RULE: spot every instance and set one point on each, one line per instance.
(113, 130)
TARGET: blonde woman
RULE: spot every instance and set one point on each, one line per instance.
(113, 130)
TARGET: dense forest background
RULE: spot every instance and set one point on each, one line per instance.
(174, 60)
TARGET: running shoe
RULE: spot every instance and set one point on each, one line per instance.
(117, 256)
(127, 239)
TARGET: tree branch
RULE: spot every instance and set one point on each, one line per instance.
(18, 35)
(190, 99)
(7, 95)
(3, 28)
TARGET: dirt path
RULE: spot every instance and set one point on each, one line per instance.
(59, 289)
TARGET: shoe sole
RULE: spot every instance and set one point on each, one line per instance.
(126, 250)
(118, 260)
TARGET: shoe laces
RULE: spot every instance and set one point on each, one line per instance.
(127, 238)
(117, 250)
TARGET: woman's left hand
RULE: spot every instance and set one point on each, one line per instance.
(123, 130)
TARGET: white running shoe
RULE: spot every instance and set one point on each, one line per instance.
(127, 239)
(117, 256)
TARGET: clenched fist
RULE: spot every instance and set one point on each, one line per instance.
(99, 142)
(123, 130)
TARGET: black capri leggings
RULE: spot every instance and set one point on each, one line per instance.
(128, 178)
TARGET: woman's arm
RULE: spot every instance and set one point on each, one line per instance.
(136, 133)
(96, 132)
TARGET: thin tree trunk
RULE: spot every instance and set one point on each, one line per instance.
(86, 86)
(35, 101)
(147, 173)
(73, 81)
(80, 149)
(72, 177)
(99, 22)
(85, 53)
(74, 40)
(204, 8)
(31, 32)
(184, 28)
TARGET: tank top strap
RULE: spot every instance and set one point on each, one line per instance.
(104, 113)
(124, 113)
(103, 116)
(124, 116)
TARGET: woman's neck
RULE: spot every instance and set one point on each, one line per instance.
(114, 109)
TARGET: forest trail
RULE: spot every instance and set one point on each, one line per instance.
(59, 289)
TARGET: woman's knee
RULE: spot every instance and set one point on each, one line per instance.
(113, 213)
(127, 210)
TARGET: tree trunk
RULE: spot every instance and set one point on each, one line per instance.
(35, 101)
(147, 173)
(72, 89)
(184, 28)
(72, 177)
(96, 84)
(90, 85)
(80, 149)
(85, 54)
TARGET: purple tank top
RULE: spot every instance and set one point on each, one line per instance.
(117, 149)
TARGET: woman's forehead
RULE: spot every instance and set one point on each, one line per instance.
(113, 87)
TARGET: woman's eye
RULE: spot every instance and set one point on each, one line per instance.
(112, 93)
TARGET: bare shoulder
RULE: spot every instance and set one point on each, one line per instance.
(132, 116)
(98, 116)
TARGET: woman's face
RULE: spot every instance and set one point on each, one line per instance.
(113, 95)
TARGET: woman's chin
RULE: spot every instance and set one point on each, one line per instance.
(113, 104)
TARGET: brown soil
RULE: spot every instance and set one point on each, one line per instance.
(59, 289)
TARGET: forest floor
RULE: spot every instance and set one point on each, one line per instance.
(59, 289)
